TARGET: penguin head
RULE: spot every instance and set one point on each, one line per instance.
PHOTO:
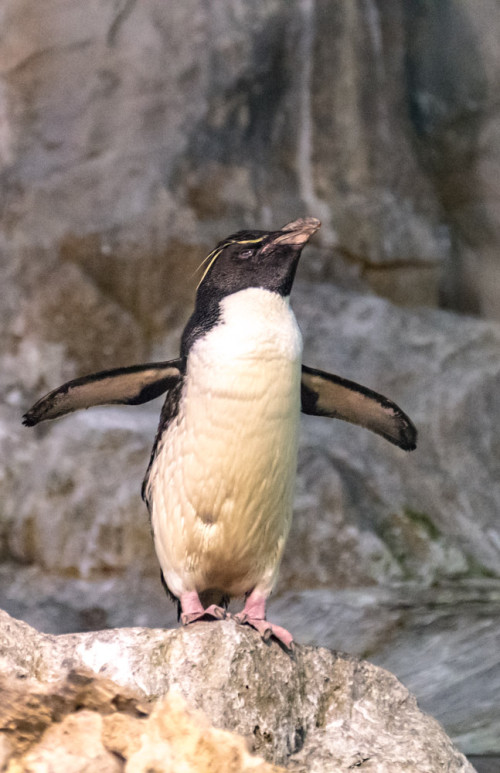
(265, 259)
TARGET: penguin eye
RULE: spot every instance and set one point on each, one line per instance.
(245, 254)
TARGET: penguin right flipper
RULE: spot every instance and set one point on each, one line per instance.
(134, 385)
(324, 394)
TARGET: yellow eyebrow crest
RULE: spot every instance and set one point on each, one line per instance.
(247, 241)
(212, 256)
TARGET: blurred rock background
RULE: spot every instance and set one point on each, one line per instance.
(133, 136)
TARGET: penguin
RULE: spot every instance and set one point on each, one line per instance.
(219, 485)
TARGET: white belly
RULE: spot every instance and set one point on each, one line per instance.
(222, 482)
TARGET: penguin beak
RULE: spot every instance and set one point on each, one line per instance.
(298, 232)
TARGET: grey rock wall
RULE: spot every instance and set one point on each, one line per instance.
(453, 71)
(135, 134)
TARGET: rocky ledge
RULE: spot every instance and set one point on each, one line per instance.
(147, 699)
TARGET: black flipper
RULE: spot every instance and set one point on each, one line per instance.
(134, 385)
(324, 394)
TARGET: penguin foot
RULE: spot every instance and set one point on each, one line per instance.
(212, 612)
(266, 629)
(192, 609)
(254, 614)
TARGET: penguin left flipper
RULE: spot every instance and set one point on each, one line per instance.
(324, 394)
(133, 385)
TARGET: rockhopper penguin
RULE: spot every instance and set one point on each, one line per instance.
(219, 486)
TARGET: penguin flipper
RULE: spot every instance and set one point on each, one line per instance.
(324, 394)
(133, 385)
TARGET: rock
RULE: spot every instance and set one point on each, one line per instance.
(87, 534)
(485, 764)
(55, 603)
(395, 627)
(423, 516)
(87, 722)
(73, 745)
(330, 712)
(361, 134)
(402, 628)
(453, 68)
(174, 735)
(122, 186)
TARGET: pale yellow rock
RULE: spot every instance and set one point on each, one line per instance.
(122, 734)
(178, 740)
(71, 746)
(5, 750)
(88, 724)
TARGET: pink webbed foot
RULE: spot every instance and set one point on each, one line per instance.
(192, 609)
(254, 614)
(266, 629)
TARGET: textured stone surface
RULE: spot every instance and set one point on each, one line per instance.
(442, 642)
(73, 745)
(85, 523)
(197, 120)
(425, 515)
(453, 70)
(399, 628)
(191, 122)
(362, 129)
(330, 712)
(86, 722)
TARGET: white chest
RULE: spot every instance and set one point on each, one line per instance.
(222, 482)
(257, 341)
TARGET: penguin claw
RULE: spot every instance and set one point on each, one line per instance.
(217, 612)
(213, 612)
(266, 636)
(267, 630)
